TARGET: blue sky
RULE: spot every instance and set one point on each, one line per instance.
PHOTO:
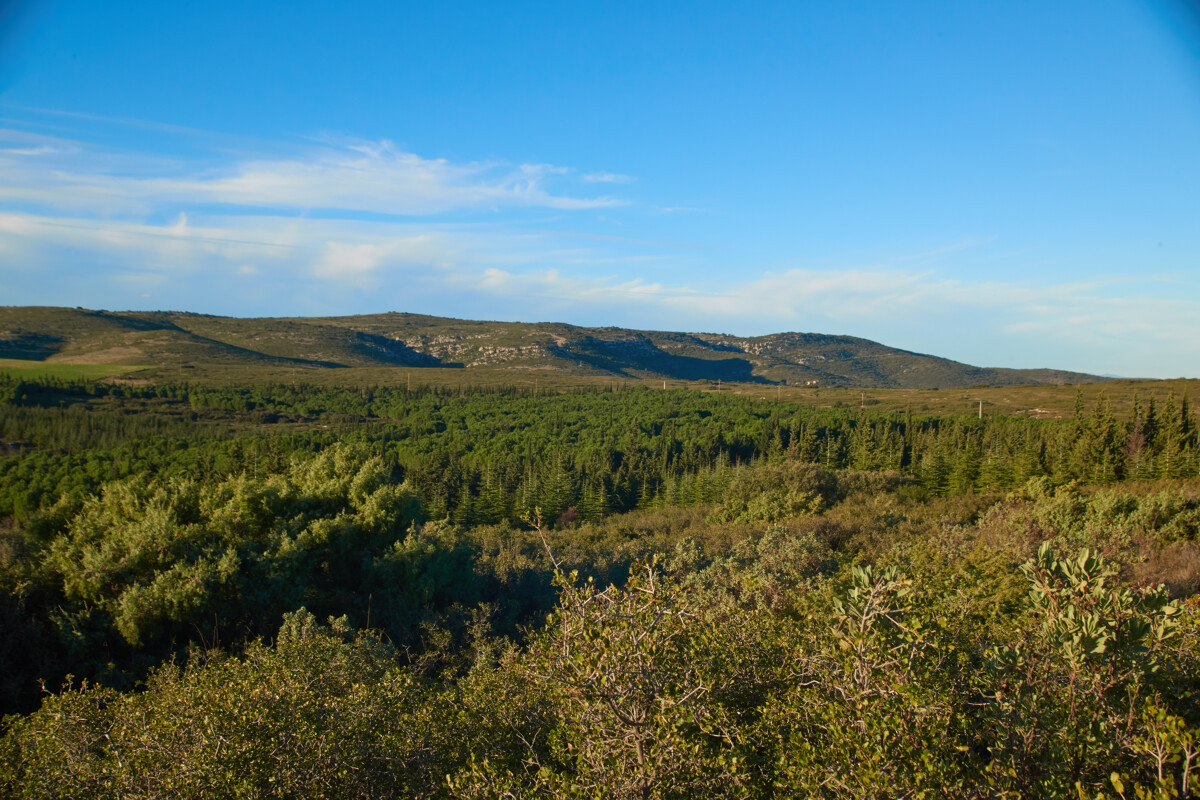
(1007, 184)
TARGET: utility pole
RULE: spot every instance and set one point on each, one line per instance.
(981, 409)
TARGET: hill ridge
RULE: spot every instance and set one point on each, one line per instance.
(418, 340)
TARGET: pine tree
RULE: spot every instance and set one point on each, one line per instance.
(808, 446)
(935, 468)
(1136, 444)
(1173, 447)
(996, 471)
(1103, 444)
(966, 470)
(1188, 436)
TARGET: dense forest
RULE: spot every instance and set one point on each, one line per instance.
(375, 591)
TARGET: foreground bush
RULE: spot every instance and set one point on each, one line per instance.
(321, 713)
(867, 683)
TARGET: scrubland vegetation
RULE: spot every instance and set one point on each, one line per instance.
(375, 592)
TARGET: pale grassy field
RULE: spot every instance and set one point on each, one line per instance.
(59, 369)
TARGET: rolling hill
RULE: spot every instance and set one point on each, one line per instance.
(162, 338)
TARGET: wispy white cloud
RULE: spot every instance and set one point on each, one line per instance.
(361, 262)
(553, 284)
(327, 252)
(41, 150)
(607, 177)
(353, 176)
(375, 177)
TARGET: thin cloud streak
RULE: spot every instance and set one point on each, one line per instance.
(607, 177)
(357, 176)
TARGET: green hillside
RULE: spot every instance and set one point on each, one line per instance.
(177, 339)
